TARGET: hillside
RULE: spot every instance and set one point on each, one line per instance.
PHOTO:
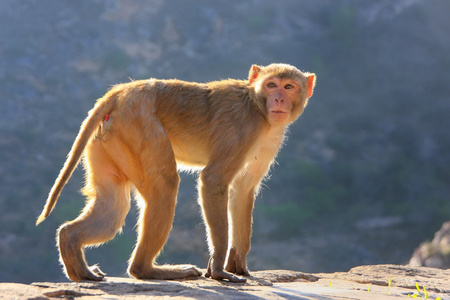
(362, 179)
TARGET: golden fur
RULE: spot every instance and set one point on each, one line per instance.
(139, 133)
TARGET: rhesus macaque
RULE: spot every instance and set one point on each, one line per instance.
(139, 132)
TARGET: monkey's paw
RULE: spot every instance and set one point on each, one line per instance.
(166, 272)
(220, 274)
(236, 264)
(99, 274)
(92, 273)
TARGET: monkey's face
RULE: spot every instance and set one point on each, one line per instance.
(283, 97)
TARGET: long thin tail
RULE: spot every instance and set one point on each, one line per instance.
(90, 124)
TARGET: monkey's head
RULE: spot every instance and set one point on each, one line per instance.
(282, 91)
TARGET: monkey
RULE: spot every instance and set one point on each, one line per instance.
(140, 134)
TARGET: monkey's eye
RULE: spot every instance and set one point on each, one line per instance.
(271, 85)
(288, 86)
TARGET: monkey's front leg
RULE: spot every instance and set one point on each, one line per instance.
(214, 202)
(240, 211)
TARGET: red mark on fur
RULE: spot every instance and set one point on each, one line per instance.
(106, 118)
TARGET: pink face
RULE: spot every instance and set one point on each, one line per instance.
(280, 95)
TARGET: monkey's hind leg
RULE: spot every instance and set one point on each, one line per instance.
(101, 219)
(159, 192)
(155, 223)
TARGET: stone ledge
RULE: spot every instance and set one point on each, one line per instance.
(364, 282)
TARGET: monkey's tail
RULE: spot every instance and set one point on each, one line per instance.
(89, 125)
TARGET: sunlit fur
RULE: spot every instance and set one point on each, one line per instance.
(141, 132)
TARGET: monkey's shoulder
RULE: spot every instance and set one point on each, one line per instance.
(230, 89)
(227, 84)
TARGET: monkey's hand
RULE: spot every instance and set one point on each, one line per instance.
(217, 272)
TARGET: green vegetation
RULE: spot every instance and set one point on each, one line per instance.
(421, 294)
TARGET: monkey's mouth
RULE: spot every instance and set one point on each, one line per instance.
(278, 116)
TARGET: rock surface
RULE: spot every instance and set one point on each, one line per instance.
(364, 282)
(436, 253)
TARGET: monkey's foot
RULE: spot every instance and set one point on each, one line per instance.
(236, 264)
(92, 273)
(220, 274)
(236, 269)
(165, 272)
(97, 272)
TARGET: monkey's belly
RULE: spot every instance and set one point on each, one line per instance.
(190, 156)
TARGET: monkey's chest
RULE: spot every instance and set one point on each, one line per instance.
(264, 151)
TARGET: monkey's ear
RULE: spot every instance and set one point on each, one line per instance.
(311, 83)
(253, 73)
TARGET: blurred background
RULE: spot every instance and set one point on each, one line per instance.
(364, 177)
